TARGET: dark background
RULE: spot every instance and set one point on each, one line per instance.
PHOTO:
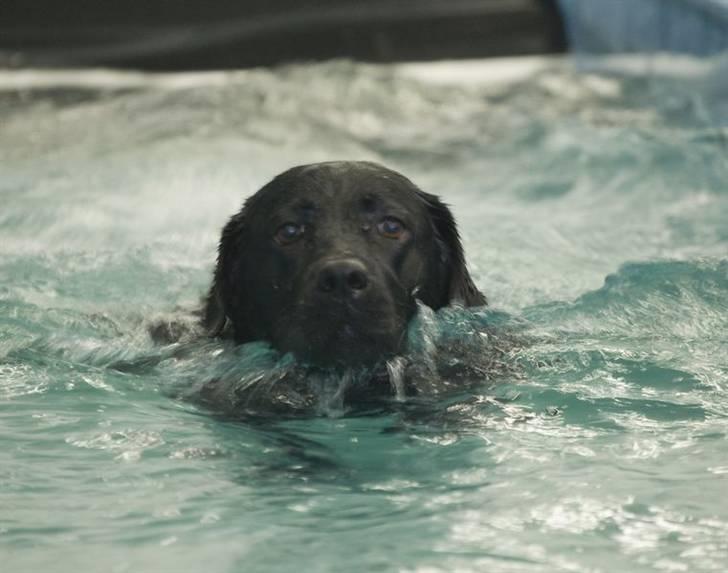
(205, 34)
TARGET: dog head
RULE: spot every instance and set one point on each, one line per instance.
(328, 260)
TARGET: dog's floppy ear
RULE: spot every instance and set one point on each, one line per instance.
(459, 285)
(216, 314)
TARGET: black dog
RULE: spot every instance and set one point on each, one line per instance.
(328, 260)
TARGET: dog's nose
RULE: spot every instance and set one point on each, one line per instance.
(346, 277)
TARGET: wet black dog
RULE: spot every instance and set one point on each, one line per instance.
(328, 260)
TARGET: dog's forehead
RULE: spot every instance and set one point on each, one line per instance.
(330, 185)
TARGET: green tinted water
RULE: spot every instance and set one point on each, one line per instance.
(594, 212)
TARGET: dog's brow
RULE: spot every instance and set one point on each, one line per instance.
(305, 206)
(368, 202)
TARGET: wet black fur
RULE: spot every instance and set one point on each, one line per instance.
(447, 279)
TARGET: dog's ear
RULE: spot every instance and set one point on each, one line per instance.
(459, 285)
(219, 304)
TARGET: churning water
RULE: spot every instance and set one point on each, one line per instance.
(594, 209)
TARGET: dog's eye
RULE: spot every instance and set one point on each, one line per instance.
(288, 233)
(391, 228)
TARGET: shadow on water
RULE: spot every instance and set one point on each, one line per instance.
(399, 441)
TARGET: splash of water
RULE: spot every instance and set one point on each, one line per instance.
(396, 371)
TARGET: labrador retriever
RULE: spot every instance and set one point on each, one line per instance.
(328, 262)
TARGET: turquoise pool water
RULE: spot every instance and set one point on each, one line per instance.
(594, 209)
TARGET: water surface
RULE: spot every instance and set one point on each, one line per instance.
(593, 205)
